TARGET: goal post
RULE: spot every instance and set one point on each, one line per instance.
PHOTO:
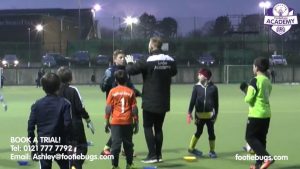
(237, 73)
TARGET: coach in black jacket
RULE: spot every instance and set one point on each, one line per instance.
(157, 71)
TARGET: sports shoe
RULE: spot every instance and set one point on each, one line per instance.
(150, 160)
(160, 158)
(212, 154)
(106, 152)
(250, 151)
(128, 166)
(195, 152)
(266, 164)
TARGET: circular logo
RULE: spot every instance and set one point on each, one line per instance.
(280, 10)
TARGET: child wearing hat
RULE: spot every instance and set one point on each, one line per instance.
(205, 99)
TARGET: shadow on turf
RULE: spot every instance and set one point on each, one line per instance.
(165, 165)
(177, 150)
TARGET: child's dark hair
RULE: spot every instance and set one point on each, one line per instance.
(121, 77)
(65, 74)
(262, 64)
(50, 83)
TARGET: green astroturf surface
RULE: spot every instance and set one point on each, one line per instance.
(283, 137)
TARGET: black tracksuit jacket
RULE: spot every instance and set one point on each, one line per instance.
(78, 112)
(157, 71)
(205, 99)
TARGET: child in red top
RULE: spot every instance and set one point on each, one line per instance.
(121, 112)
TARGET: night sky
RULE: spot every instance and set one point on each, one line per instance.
(160, 8)
(182, 10)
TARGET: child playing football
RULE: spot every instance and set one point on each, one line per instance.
(205, 99)
(50, 117)
(121, 113)
(257, 96)
(108, 82)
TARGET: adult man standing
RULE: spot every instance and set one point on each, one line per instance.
(157, 71)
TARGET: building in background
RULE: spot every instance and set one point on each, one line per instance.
(18, 34)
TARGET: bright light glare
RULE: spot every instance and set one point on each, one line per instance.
(265, 4)
(268, 4)
(131, 20)
(97, 7)
(39, 27)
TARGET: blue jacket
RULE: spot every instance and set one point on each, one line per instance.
(51, 116)
(108, 80)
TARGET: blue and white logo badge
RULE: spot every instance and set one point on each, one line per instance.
(281, 17)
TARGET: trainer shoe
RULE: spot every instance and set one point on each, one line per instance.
(150, 160)
(195, 152)
(212, 154)
(250, 151)
(160, 158)
(106, 152)
(266, 164)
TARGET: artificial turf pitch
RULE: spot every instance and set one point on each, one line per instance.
(283, 137)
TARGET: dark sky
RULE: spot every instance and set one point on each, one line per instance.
(182, 10)
(159, 8)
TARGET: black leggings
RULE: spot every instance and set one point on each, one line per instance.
(256, 135)
(121, 134)
(210, 128)
(153, 123)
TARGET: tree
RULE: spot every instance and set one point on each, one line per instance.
(208, 27)
(168, 27)
(250, 23)
(222, 25)
(147, 25)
